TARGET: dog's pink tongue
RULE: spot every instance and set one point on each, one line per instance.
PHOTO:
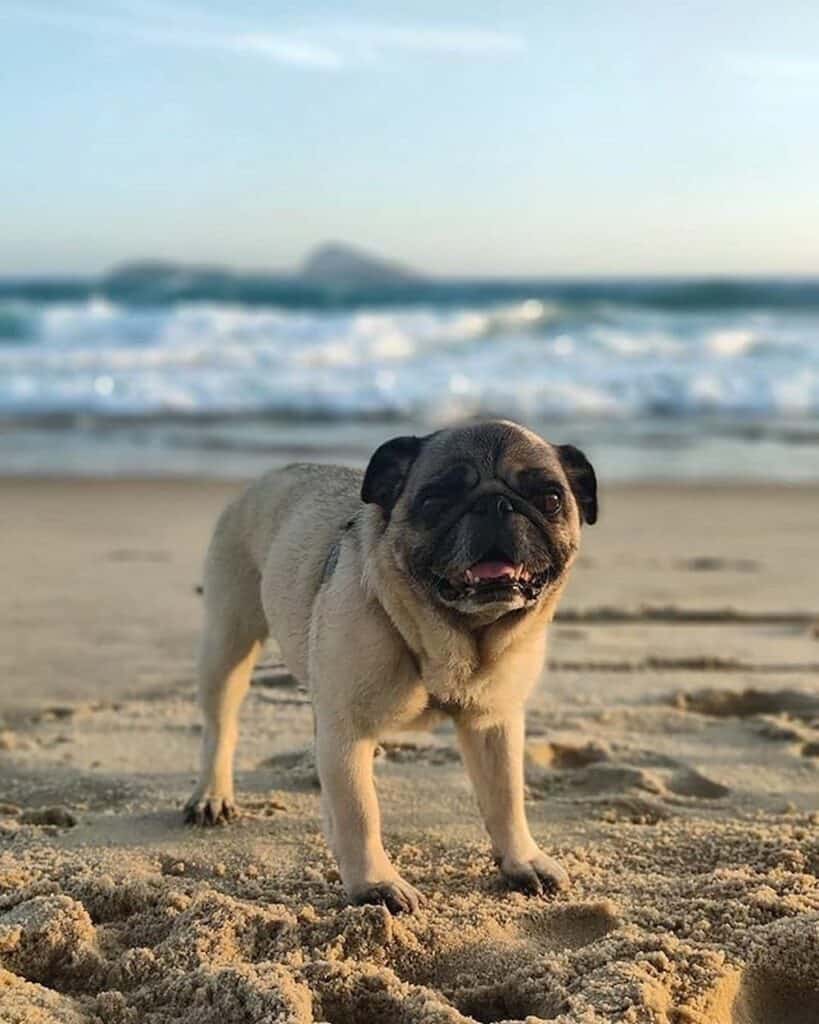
(492, 570)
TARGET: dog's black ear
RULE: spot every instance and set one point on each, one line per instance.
(387, 472)
(582, 479)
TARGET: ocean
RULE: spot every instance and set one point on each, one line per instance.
(656, 379)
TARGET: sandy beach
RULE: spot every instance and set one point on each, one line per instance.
(673, 766)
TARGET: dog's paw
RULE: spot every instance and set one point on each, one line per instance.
(210, 809)
(398, 896)
(536, 875)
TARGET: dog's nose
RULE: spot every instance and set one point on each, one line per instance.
(493, 504)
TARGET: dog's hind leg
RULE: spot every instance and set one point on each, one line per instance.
(235, 630)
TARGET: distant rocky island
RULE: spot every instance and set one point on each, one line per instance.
(333, 267)
(335, 263)
(338, 275)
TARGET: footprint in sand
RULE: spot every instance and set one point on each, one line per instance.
(750, 702)
(779, 984)
(787, 716)
(591, 769)
(570, 926)
(770, 997)
(687, 782)
(560, 928)
(486, 973)
(562, 756)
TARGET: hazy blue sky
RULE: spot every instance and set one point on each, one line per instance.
(508, 138)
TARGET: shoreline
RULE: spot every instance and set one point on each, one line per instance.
(631, 450)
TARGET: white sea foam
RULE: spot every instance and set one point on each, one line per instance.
(529, 358)
(730, 342)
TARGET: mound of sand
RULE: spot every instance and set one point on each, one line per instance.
(678, 921)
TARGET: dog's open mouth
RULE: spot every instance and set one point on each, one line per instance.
(494, 580)
(494, 572)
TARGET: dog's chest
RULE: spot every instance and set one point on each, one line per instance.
(482, 692)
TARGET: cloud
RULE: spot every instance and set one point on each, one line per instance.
(317, 47)
(281, 49)
(446, 40)
(176, 32)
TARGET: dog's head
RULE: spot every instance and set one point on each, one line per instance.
(485, 517)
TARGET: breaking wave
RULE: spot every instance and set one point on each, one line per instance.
(534, 357)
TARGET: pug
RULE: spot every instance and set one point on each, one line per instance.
(419, 590)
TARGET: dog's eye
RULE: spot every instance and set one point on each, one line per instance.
(550, 502)
(432, 506)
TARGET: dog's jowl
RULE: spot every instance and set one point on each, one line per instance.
(422, 588)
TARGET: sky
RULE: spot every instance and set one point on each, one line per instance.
(538, 138)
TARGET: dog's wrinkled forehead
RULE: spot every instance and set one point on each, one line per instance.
(480, 452)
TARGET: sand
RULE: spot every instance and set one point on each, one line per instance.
(673, 765)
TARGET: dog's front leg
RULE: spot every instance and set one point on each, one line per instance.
(494, 759)
(353, 821)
